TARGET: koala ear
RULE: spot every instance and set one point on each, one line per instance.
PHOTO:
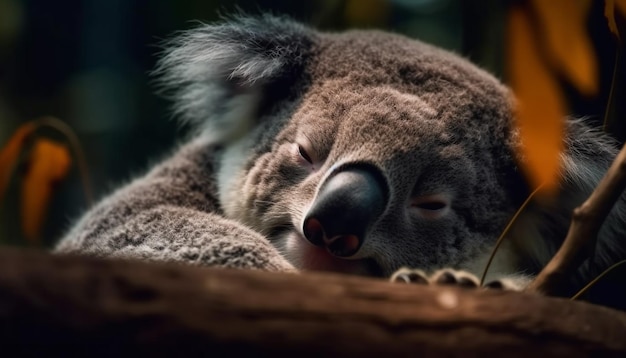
(220, 76)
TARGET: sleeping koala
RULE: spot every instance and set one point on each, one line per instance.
(361, 152)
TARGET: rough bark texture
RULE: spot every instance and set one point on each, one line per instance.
(53, 305)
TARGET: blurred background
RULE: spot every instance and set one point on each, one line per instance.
(88, 63)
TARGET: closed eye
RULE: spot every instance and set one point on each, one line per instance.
(304, 154)
(431, 206)
(303, 157)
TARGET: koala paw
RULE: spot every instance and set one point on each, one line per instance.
(450, 277)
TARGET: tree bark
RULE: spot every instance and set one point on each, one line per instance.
(61, 305)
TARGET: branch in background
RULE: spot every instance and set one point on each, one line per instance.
(582, 236)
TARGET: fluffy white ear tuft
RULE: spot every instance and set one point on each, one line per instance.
(217, 75)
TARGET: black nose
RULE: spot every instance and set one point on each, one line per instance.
(348, 203)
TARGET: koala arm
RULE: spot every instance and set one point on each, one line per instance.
(171, 214)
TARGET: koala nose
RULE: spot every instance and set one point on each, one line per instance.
(348, 203)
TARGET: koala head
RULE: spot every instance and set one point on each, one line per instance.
(357, 152)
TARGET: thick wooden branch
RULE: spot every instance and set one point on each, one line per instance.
(51, 305)
(581, 239)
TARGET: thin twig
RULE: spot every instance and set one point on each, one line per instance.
(580, 242)
(595, 280)
(506, 230)
(605, 124)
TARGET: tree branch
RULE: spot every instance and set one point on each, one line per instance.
(581, 239)
(66, 306)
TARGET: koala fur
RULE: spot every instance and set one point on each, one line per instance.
(406, 152)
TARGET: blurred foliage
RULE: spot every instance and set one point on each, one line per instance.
(49, 164)
(549, 45)
(88, 62)
(547, 39)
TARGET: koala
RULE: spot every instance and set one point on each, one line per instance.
(362, 152)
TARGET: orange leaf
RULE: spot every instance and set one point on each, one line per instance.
(10, 153)
(49, 163)
(609, 13)
(541, 108)
(621, 6)
(567, 45)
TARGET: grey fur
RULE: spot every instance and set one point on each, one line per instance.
(207, 70)
(434, 125)
(171, 214)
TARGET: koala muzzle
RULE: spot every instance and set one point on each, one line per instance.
(347, 204)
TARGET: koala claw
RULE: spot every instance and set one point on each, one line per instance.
(414, 276)
(446, 277)
(455, 277)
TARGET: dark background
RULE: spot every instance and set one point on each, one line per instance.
(88, 63)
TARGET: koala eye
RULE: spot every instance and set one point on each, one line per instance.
(304, 154)
(431, 206)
